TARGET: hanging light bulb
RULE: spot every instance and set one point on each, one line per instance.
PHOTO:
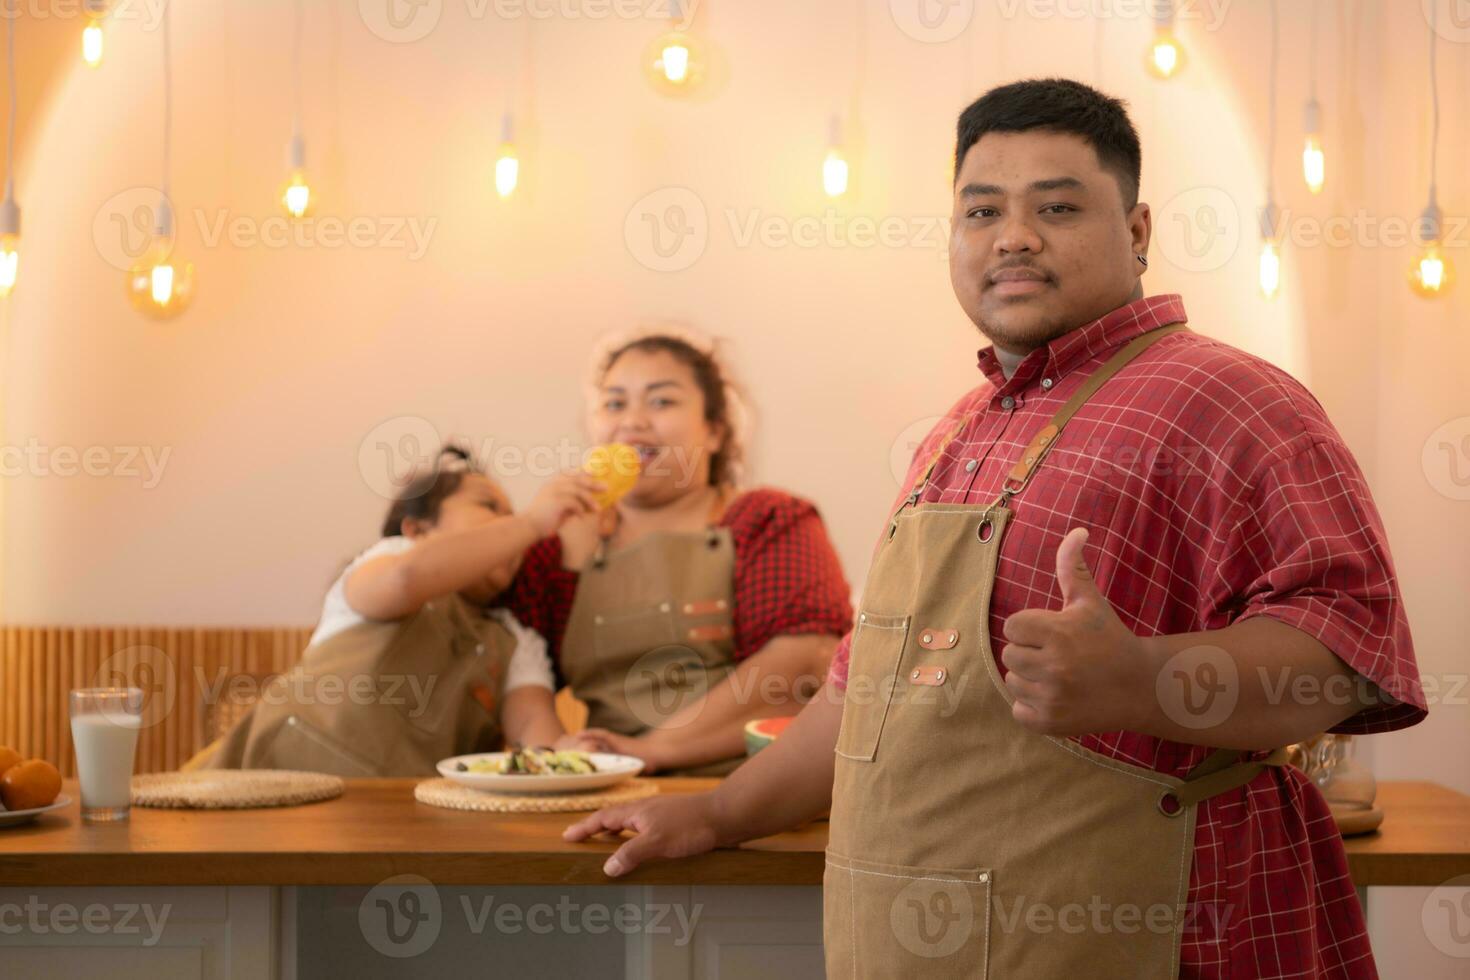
(160, 285)
(1314, 164)
(507, 165)
(296, 195)
(1431, 275)
(1269, 266)
(1165, 56)
(92, 33)
(9, 210)
(674, 61)
(834, 167)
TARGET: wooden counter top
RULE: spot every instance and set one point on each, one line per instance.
(377, 830)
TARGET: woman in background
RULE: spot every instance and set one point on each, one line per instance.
(690, 606)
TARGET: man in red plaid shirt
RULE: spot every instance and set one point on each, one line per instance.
(1199, 528)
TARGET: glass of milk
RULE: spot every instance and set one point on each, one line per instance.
(104, 728)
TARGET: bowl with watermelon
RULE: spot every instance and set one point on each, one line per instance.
(763, 731)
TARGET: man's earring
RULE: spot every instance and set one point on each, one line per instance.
(1143, 259)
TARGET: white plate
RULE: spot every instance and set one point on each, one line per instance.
(14, 818)
(611, 770)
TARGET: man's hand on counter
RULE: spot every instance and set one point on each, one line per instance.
(786, 784)
(666, 827)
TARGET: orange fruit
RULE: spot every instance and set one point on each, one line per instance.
(617, 466)
(33, 783)
(9, 757)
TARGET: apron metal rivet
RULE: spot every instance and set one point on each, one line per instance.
(928, 637)
(953, 637)
(939, 675)
(916, 675)
(863, 618)
(984, 877)
(664, 607)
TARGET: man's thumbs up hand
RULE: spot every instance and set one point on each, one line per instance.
(1077, 670)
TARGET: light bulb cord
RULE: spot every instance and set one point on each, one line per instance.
(1271, 114)
(1312, 49)
(168, 98)
(296, 68)
(10, 123)
(1434, 110)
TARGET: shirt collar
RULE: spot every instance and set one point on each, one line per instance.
(1076, 347)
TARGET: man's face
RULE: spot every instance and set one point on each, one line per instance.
(1041, 242)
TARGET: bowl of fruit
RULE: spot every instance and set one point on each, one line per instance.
(28, 788)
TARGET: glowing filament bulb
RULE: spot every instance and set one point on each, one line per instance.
(834, 167)
(507, 165)
(1270, 269)
(9, 262)
(674, 61)
(162, 282)
(92, 44)
(297, 196)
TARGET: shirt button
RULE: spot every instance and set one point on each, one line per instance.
(1046, 382)
(970, 465)
(1007, 403)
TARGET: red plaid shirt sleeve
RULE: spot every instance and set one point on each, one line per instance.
(788, 579)
(1306, 547)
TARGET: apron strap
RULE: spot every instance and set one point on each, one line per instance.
(1043, 441)
(1221, 772)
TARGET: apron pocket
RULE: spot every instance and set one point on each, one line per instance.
(872, 675)
(885, 920)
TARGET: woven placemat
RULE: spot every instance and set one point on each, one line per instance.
(450, 795)
(233, 788)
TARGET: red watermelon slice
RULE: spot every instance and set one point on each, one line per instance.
(763, 731)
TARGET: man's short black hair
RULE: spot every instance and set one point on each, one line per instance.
(1059, 105)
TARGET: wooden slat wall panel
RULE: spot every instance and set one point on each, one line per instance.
(40, 665)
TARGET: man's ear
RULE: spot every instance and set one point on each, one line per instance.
(1140, 228)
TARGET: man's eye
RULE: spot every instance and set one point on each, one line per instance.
(982, 212)
(1058, 208)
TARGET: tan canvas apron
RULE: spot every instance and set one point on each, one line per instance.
(652, 629)
(963, 845)
(381, 698)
